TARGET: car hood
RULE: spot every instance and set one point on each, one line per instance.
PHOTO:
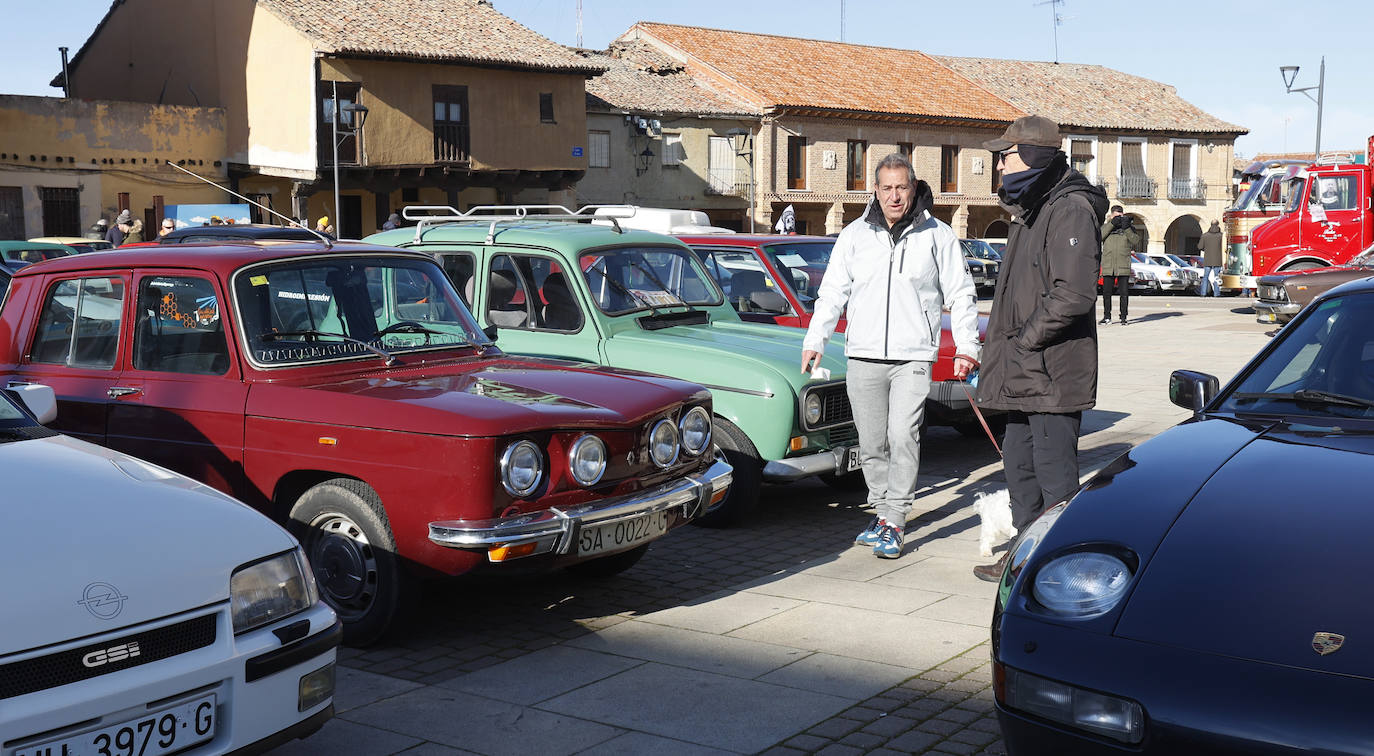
(95, 532)
(1270, 551)
(1312, 276)
(477, 397)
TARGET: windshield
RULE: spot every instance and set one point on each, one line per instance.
(324, 309)
(1249, 199)
(803, 264)
(979, 249)
(10, 414)
(1330, 352)
(1176, 260)
(1295, 195)
(33, 255)
(628, 279)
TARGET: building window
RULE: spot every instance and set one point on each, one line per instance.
(673, 154)
(721, 166)
(348, 141)
(949, 168)
(546, 107)
(796, 162)
(451, 124)
(12, 213)
(1082, 156)
(1183, 171)
(1133, 181)
(996, 172)
(598, 149)
(61, 211)
(904, 149)
(857, 166)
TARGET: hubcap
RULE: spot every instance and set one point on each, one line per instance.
(344, 563)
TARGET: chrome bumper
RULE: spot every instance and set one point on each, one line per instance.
(556, 530)
(796, 468)
(1272, 312)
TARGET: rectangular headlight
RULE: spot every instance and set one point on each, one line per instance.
(1112, 717)
(266, 591)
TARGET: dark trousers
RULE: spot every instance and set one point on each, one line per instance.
(1123, 293)
(1040, 458)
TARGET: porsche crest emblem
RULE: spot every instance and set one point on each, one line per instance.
(1327, 643)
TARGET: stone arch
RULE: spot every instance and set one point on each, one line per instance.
(1183, 235)
(998, 229)
(1142, 228)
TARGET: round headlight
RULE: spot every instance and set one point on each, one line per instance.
(696, 430)
(663, 444)
(522, 468)
(812, 408)
(587, 460)
(1084, 584)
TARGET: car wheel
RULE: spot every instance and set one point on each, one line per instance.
(739, 451)
(1298, 266)
(345, 533)
(607, 566)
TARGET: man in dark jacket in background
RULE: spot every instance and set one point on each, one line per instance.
(1119, 240)
(1210, 247)
(1040, 357)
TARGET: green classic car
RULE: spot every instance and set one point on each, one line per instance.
(556, 284)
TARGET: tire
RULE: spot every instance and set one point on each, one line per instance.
(344, 530)
(1299, 266)
(608, 566)
(743, 495)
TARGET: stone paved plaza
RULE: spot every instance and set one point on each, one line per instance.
(778, 637)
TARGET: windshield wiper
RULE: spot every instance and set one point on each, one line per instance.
(312, 334)
(627, 292)
(1308, 396)
(646, 270)
(410, 326)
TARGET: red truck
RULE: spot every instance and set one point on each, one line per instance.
(1327, 221)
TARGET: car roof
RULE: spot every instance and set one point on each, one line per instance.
(68, 240)
(240, 231)
(223, 258)
(10, 245)
(750, 240)
(568, 236)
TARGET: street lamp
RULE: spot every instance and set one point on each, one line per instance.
(645, 158)
(740, 139)
(356, 115)
(1290, 73)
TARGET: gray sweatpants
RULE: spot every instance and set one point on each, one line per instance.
(889, 399)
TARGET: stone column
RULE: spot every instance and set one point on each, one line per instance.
(960, 221)
(834, 218)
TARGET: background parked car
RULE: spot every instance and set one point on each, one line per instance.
(27, 252)
(236, 232)
(1282, 295)
(1192, 274)
(349, 393)
(558, 285)
(990, 259)
(79, 244)
(147, 613)
(1155, 276)
(1194, 596)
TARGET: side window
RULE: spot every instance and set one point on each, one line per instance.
(748, 286)
(177, 327)
(532, 293)
(1335, 193)
(459, 267)
(79, 324)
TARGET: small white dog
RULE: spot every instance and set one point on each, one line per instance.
(994, 514)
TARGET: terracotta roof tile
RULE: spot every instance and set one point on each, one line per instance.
(642, 79)
(469, 31)
(789, 71)
(1090, 96)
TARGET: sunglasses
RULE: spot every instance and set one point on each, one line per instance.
(1002, 156)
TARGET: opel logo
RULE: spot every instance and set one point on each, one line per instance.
(103, 600)
(1327, 643)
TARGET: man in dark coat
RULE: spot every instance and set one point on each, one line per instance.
(1210, 247)
(1119, 240)
(1040, 356)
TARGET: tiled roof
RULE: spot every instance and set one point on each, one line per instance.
(1090, 96)
(642, 79)
(467, 31)
(779, 72)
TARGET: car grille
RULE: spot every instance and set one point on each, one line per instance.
(835, 408)
(1272, 293)
(65, 667)
(845, 435)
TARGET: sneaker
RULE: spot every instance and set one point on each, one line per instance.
(1122, 321)
(869, 537)
(1105, 321)
(889, 544)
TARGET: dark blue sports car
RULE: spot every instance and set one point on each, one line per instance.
(1211, 591)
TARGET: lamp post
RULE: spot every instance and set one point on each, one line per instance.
(1290, 73)
(741, 141)
(356, 115)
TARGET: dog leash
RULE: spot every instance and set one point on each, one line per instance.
(979, 414)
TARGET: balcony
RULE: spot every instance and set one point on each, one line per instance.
(1187, 189)
(1136, 187)
(729, 182)
(451, 143)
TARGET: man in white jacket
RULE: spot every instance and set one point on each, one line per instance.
(896, 268)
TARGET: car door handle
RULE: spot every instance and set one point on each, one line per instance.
(114, 392)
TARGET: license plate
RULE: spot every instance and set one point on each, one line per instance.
(851, 459)
(153, 734)
(614, 536)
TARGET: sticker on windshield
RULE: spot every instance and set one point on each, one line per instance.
(258, 280)
(655, 297)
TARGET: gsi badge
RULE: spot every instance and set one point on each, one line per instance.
(112, 654)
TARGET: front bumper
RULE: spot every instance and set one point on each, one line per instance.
(556, 530)
(791, 469)
(1275, 312)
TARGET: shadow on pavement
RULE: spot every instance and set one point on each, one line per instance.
(1155, 316)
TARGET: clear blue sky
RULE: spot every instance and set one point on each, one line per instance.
(1222, 55)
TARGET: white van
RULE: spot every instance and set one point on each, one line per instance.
(659, 219)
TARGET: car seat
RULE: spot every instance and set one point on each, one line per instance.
(561, 313)
(500, 293)
(743, 285)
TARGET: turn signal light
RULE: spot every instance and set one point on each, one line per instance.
(718, 496)
(511, 551)
(797, 443)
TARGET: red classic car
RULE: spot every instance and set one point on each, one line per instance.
(349, 393)
(775, 278)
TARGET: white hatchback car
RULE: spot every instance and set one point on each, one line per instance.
(146, 613)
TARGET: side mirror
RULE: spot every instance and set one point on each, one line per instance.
(40, 400)
(491, 331)
(1192, 390)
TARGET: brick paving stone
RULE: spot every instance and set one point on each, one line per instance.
(967, 684)
(924, 708)
(914, 741)
(979, 702)
(965, 663)
(949, 694)
(955, 747)
(884, 703)
(808, 743)
(862, 713)
(389, 666)
(938, 675)
(864, 740)
(889, 726)
(973, 737)
(425, 654)
(939, 726)
(781, 751)
(837, 749)
(987, 724)
(996, 748)
(835, 728)
(925, 686)
(962, 716)
(886, 752)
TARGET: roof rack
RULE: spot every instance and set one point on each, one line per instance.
(433, 215)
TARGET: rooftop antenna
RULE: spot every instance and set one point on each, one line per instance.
(841, 20)
(579, 23)
(1058, 19)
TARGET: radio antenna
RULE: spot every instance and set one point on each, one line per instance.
(1058, 19)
